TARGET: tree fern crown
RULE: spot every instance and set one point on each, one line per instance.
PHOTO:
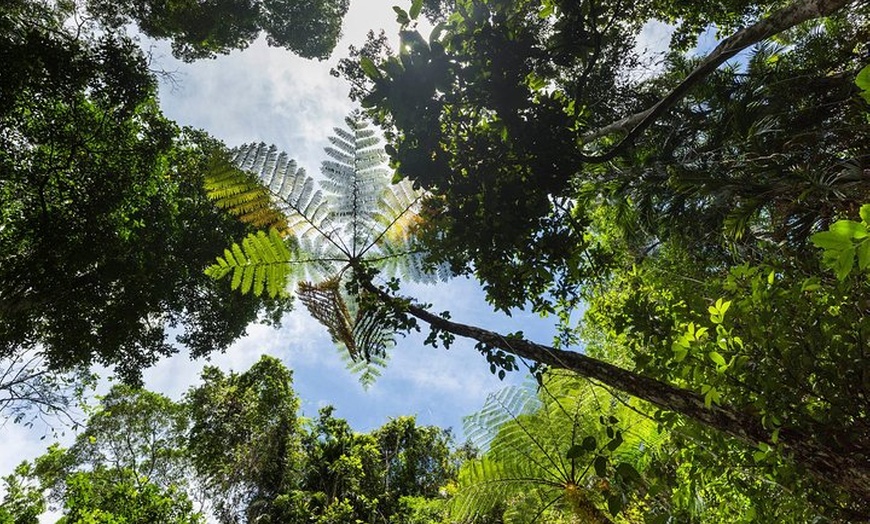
(321, 231)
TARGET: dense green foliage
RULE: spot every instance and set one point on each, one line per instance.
(236, 448)
(105, 226)
(205, 29)
(688, 244)
(567, 449)
(711, 220)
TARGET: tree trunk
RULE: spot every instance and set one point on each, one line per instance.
(847, 467)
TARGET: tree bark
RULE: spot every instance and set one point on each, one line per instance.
(848, 467)
(778, 21)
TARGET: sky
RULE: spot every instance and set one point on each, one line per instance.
(267, 94)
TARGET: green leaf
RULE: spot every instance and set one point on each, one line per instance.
(811, 284)
(717, 358)
(401, 16)
(614, 504)
(416, 6)
(369, 68)
(237, 277)
(710, 396)
(830, 240)
(849, 229)
(600, 465)
(628, 472)
(863, 82)
(865, 213)
(589, 443)
(863, 254)
(843, 264)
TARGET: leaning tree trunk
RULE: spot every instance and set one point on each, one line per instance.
(847, 467)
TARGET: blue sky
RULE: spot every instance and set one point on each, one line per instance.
(266, 94)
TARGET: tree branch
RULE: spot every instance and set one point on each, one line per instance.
(779, 21)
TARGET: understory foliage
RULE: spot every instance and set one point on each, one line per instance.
(317, 236)
(561, 448)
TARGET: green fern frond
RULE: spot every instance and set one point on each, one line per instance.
(542, 444)
(242, 195)
(262, 262)
(367, 371)
(291, 190)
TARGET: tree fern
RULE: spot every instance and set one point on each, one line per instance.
(322, 231)
(569, 448)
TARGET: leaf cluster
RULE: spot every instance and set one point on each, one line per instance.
(236, 450)
(204, 30)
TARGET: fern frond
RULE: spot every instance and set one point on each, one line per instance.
(327, 306)
(262, 262)
(367, 371)
(538, 458)
(354, 178)
(243, 196)
(399, 210)
(362, 332)
(290, 188)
